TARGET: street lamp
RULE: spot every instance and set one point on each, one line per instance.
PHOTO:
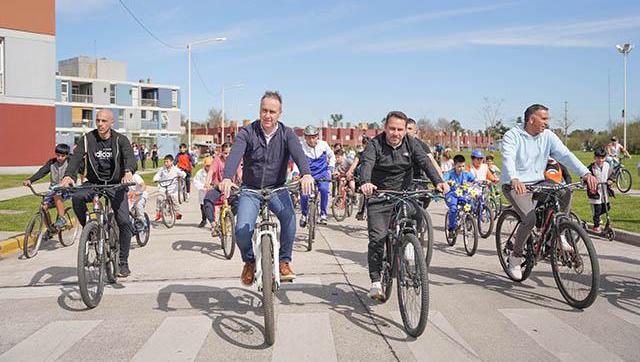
(189, 46)
(625, 49)
(240, 85)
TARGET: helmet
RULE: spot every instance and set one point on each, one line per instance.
(208, 161)
(310, 131)
(477, 154)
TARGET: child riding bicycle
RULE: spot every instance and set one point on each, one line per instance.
(163, 176)
(138, 196)
(459, 180)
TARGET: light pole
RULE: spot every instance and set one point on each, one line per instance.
(222, 92)
(625, 49)
(189, 46)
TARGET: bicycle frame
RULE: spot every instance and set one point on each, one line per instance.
(266, 227)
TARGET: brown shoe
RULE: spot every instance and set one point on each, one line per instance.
(286, 274)
(248, 272)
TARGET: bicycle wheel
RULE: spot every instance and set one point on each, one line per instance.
(575, 218)
(168, 214)
(426, 231)
(413, 286)
(505, 238)
(90, 265)
(33, 235)
(311, 224)
(576, 272)
(142, 236)
(338, 208)
(485, 221)
(74, 227)
(112, 254)
(623, 180)
(449, 236)
(386, 273)
(267, 289)
(470, 235)
(228, 235)
(493, 205)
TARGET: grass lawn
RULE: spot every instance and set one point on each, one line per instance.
(22, 209)
(9, 181)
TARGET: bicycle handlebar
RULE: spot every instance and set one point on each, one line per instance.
(98, 188)
(41, 194)
(556, 187)
(165, 183)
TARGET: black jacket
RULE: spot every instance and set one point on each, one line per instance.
(123, 158)
(392, 169)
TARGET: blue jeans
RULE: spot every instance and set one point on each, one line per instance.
(452, 204)
(248, 209)
(323, 189)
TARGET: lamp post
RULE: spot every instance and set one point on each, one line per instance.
(240, 85)
(625, 49)
(189, 46)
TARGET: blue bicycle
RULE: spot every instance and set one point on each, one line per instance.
(483, 213)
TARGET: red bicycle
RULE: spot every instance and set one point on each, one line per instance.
(342, 205)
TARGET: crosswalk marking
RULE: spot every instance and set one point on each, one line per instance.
(177, 338)
(439, 342)
(557, 337)
(50, 342)
(147, 287)
(294, 330)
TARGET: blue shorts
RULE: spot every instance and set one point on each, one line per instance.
(49, 198)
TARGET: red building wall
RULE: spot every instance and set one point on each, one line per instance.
(21, 125)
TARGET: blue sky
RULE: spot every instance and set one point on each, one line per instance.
(364, 58)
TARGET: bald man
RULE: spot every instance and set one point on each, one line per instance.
(110, 161)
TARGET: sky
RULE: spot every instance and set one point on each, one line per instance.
(363, 59)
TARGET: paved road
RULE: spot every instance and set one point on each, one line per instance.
(184, 301)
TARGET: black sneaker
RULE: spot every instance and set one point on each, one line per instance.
(124, 271)
(202, 224)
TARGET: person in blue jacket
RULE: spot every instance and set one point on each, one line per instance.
(456, 178)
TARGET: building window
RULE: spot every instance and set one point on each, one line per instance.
(112, 93)
(143, 114)
(1, 65)
(333, 137)
(174, 98)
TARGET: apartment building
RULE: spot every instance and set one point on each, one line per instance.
(146, 112)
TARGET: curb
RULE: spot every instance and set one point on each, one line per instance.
(11, 245)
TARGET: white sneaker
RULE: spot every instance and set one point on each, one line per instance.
(376, 291)
(323, 220)
(565, 244)
(514, 268)
(409, 253)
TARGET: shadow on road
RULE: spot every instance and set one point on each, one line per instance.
(210, 248)
(622, 291)
(53, 275)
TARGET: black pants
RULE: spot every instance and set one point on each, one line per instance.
(120, 207)
(155, 162)
(210, 199)
(143, 162)
(187, 180)
(599, 210)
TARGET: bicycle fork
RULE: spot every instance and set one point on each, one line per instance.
(272, 229)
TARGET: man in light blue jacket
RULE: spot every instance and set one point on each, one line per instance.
(525, 151)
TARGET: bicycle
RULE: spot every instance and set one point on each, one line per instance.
(552, 227)
(167, 206)
(40, 224)
(225, 228)
(427, 226)
(342, 205)
(141, 226)
(622, 176)
(494, 199)
(465, 224)
(313, 207)
(99, 247)
(484, 214)
(403, 258)
(182, 190)
(266, 247)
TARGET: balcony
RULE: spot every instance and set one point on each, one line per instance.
(148, 102)
(82, 98)
(149, 125)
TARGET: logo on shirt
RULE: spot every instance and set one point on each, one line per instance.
(406, 154)
(102, 154)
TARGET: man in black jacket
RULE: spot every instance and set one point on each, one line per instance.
(110, 161)
(387, 164)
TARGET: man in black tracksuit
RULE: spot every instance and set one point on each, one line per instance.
(387, 164)
(110, 161)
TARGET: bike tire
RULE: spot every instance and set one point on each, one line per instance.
(88, 281)
(311, 224)
(142, 238)
(504, 246)
(338, 208)
(33, 236)
(427, 230)
(168, 214)
(267, 289)
(228, 235)
(561, 259)
(485, 214)
(470, 235)
(70, 225)
(623, 180)
(386, 272)
(408, 286)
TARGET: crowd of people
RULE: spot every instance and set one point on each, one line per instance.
(267, 154)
